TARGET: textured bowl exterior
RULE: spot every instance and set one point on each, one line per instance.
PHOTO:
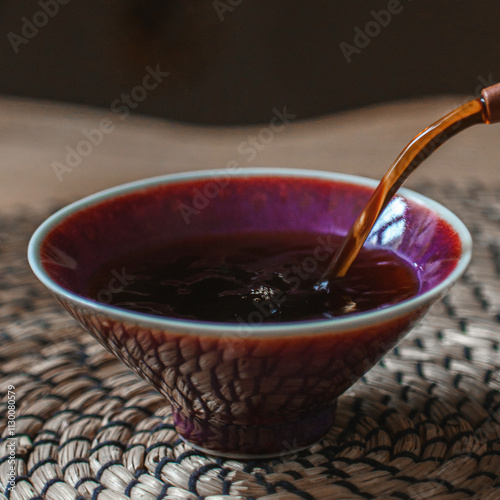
(253, 389)
(244, 395)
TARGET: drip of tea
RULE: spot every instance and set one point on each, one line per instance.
(252, 278)
(483, 110)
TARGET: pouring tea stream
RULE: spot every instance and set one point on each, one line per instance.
(485, 109)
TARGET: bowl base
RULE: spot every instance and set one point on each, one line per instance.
(254, 441)
(248, 456)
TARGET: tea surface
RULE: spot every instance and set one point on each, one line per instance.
(252, 278)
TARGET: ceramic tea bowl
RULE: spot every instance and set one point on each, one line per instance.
(249, 389)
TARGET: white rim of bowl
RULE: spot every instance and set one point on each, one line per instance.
(220, 329)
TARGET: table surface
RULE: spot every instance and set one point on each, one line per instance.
(34, 135)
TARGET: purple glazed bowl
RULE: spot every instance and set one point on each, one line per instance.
(245, 390)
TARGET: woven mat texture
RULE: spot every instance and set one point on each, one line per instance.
(424, 423)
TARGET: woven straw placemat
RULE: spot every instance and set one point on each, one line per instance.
(424, 423)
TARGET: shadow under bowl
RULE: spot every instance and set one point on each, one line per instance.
(246, 390)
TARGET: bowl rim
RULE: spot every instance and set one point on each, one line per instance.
(238, 330)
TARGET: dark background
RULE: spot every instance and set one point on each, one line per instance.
(263, 54)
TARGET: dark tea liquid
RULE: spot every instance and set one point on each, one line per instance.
(252, 278)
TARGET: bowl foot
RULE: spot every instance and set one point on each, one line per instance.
(254, 441)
